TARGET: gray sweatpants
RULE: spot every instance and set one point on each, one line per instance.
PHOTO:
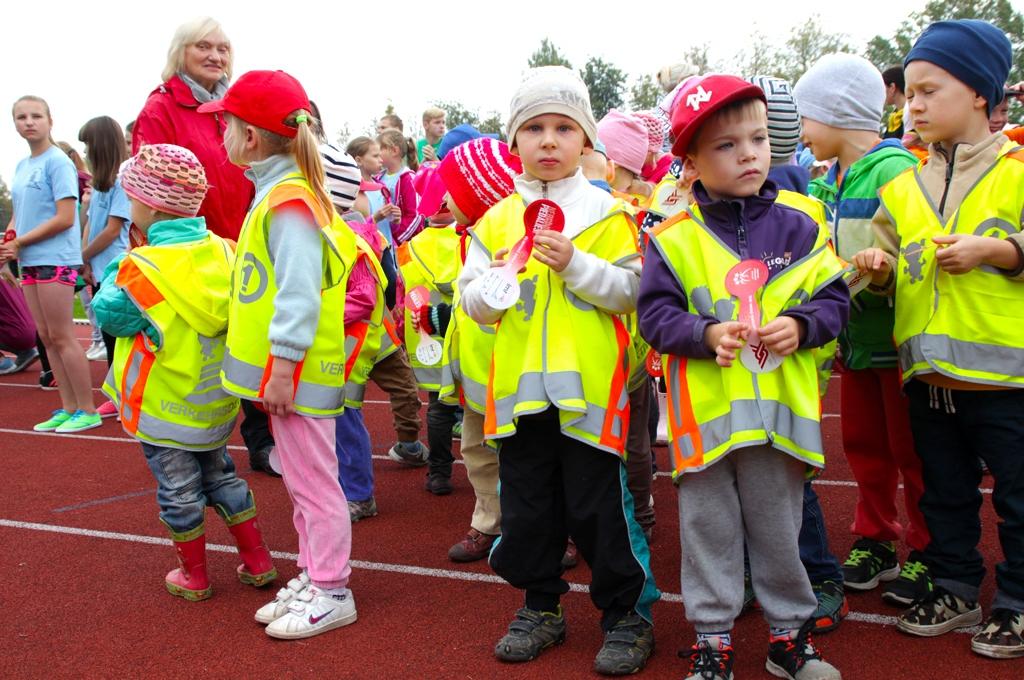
(754, 493)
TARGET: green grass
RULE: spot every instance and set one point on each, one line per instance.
(79, 312)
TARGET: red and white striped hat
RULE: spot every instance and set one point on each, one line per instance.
(478, 174)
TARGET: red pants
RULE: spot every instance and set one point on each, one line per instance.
(879, 446)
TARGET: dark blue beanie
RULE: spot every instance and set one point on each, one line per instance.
(977, 54)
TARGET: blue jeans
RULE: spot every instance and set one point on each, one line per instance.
(817, 558)
(189, 481)
(355, 456)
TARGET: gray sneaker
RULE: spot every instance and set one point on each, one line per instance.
(529, 634)
(358, 510)
(412, 454)
(627, 646)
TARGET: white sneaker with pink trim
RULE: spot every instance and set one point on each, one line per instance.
(314, 611)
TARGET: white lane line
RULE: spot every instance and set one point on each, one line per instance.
(405, 569)
(97, 389)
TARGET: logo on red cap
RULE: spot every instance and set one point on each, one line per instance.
(695, 99)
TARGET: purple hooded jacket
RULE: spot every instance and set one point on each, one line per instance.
(754, 227)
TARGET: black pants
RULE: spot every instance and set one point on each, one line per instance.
(553, 487)
(255, 428)
(441, 418)
(952, 430)
(109, 341)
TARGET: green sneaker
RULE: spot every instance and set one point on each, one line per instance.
(79, 422)
(869, 563)
(914, 582)
(56, 419)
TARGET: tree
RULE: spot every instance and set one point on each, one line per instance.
(605, 83)
(806, 44)
(760, 59)
(6, 209)
(343, 136)
(492, 124)
(884, 52)
(457, 114)
(548, 55)
(644, 94)
(698, 56)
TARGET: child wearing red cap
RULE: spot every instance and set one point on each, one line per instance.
(166, 301)
(284, 348)
(744, 410)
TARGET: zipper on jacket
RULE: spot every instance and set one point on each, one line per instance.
(741, 233)
(949, 179)
(544, 189)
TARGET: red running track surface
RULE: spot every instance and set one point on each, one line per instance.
(83, 561)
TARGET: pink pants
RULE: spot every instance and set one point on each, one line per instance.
(310, 471)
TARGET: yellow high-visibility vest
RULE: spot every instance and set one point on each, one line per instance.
(320, 376)
(963, 326)
(430, 259)
(555, 349)
(715, 410)
(169, 393)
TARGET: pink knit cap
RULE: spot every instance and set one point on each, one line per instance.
(478, 174)
(625, 138)
(655, 130)
(166, 177)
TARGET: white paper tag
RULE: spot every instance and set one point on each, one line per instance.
(499, 288)
(428, 352)
(856, 280)
(757, 357)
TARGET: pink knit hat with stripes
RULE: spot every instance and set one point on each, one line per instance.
(167, 178)
(478, 174)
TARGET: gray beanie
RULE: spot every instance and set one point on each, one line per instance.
(783, 119)
(842, 90)
(552, 89)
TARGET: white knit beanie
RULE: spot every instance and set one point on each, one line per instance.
(842, 90)
(552, 89)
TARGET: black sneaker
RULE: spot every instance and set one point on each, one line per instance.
(529, 634)
(832, 606)
(1002, 636)
(438, 483)
(47, 381)
(914, 582)
(259, 461)
(940, 612)
(411, 454)
(626, 647)
(708, 662)
(870, 562)
(798, 659)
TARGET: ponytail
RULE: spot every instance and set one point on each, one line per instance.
(307, 157)
(411, 158)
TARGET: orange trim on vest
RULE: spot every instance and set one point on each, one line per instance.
(138, 389)
(270, 368)
(286, 193)
(619, 378)
(665, 224)
(681, 416)
(391, 328)
(402, 255)
(142, 290)
(358, 331)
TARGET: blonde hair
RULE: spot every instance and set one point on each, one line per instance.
(433, 113)
(304, 148)
(189, 33)
(37, 100)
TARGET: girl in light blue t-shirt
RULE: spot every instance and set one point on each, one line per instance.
(44, 237)
(106, 229)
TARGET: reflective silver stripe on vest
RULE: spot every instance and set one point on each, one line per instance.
(208, 390)
(354, 392)
(151, 427)
(427, 375)
(749, 414)
(308, 395)
(538, 387)
(246, 375)
(970, 356)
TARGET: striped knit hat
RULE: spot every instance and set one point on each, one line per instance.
(166, 177)
(783, 119)
(342, 176)
(478, 174)
(655, 130)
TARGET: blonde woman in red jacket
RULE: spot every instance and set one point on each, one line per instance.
(198, 70)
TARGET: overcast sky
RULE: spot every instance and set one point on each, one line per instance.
(91, 59)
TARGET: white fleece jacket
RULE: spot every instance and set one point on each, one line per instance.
(612, 287)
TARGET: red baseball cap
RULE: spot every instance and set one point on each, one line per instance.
(703, 98)
(264, 99)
